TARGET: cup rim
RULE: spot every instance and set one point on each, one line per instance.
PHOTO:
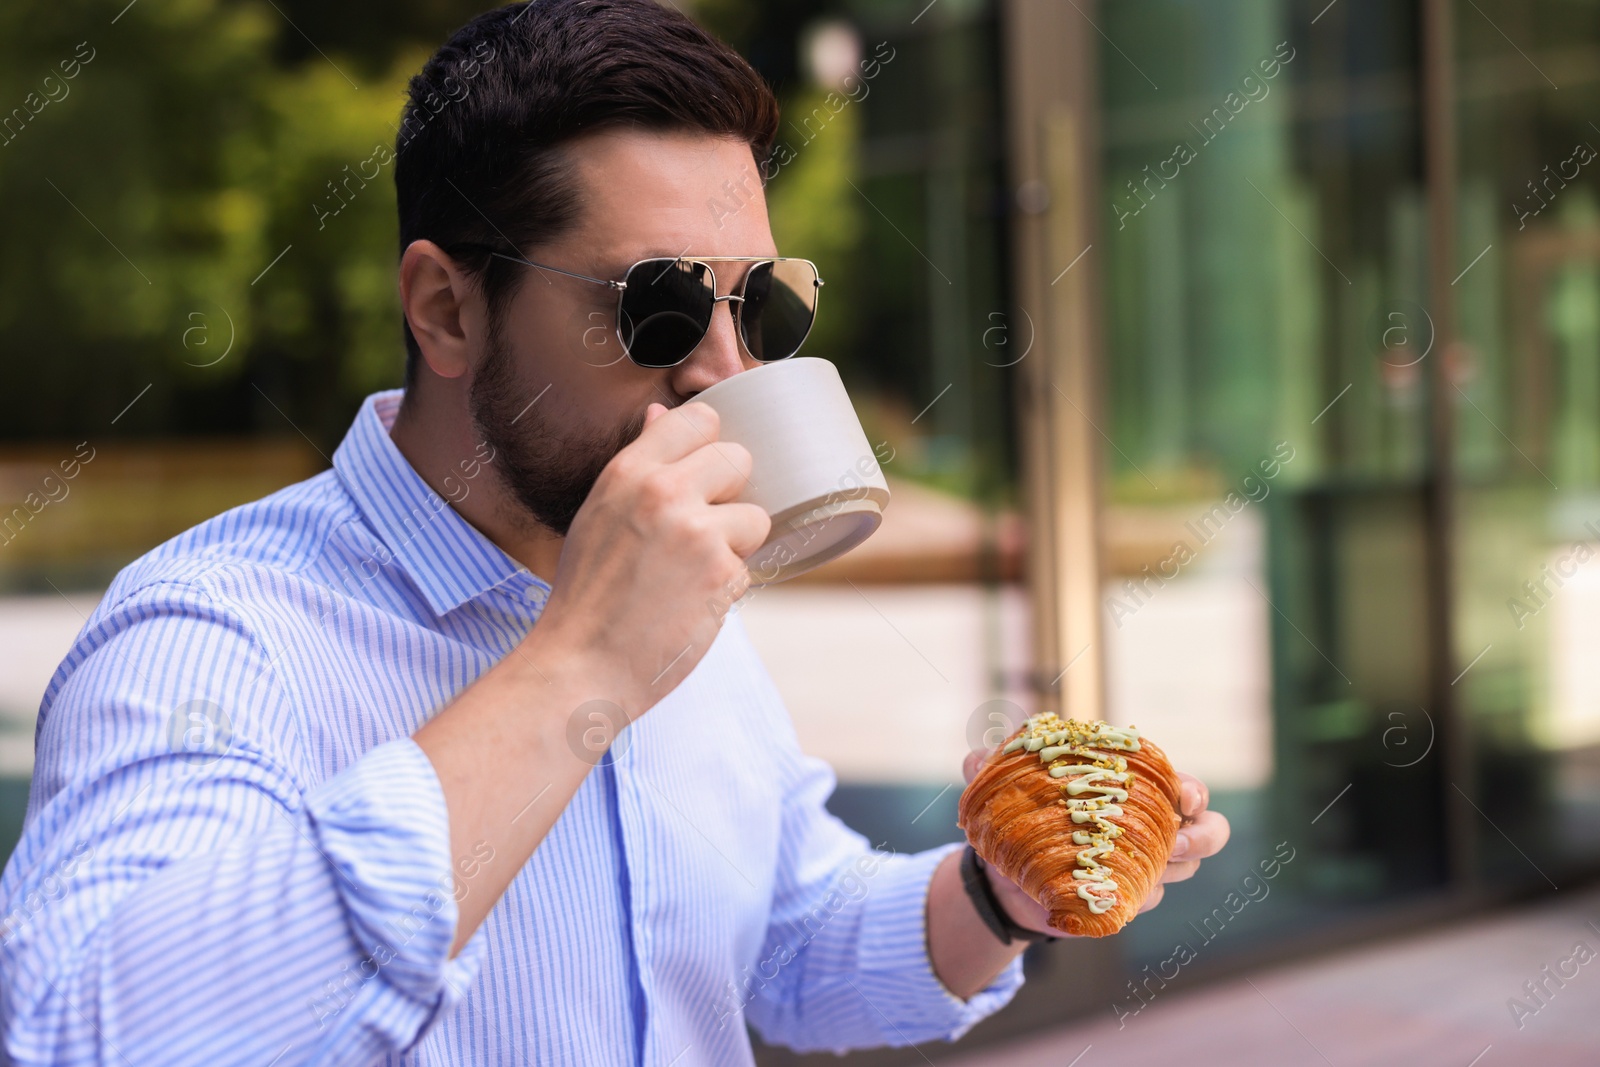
(791, 361)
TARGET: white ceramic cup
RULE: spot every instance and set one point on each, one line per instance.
(813, 470)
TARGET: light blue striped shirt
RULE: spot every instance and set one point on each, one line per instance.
(235, 854)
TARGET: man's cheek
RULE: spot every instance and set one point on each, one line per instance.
(591, 334)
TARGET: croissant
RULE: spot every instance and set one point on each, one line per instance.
(1083, 816)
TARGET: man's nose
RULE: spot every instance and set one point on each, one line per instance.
(719, 354)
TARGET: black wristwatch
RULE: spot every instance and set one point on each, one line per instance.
(989, 910)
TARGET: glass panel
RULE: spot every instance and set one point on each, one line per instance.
(1263, 250)
(1528, 521)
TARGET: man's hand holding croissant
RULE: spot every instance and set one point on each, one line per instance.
(1202, 833)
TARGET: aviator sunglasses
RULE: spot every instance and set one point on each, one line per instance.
(664, 306)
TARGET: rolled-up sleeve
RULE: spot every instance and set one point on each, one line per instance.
(895, 966)
(185, 892)
(845, 964)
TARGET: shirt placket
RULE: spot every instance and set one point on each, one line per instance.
(632, 824)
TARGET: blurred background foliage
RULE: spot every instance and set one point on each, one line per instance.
(163, 228)
(184, 157)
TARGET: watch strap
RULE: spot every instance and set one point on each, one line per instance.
(988, 906)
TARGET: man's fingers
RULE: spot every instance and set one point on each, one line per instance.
(715, 472)
(1203, 837)
(744, 525)
(673, 434)
(1153, 899)
(1179, 871)
(970, 765)
(1193, 795)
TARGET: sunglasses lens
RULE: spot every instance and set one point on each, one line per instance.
(780, 304)
(666, 310)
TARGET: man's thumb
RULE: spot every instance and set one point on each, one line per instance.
(971, 765)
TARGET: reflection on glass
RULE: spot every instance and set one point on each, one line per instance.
(1265, 611)
(1528, 523)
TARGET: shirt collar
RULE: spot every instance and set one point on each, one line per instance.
(443, 554)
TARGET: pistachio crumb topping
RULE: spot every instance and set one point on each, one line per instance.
(1063, 745)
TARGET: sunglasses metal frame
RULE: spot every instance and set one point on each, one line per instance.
(621, 288)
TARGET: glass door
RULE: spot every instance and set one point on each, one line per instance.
(1527, 385)
(1267, 502)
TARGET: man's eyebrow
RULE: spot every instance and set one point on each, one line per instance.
(666, 253)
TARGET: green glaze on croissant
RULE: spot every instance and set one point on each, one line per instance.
(1082, 815)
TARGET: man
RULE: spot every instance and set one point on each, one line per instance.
(341, 776)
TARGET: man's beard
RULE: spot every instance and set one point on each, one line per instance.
(551, 474)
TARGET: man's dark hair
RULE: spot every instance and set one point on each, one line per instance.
(478, 157)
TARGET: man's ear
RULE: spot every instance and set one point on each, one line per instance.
(436, 298)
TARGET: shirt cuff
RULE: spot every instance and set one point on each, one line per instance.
(896, 974)
(384, 827)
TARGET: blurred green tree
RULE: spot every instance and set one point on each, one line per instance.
(817, 215)
(163, 229)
